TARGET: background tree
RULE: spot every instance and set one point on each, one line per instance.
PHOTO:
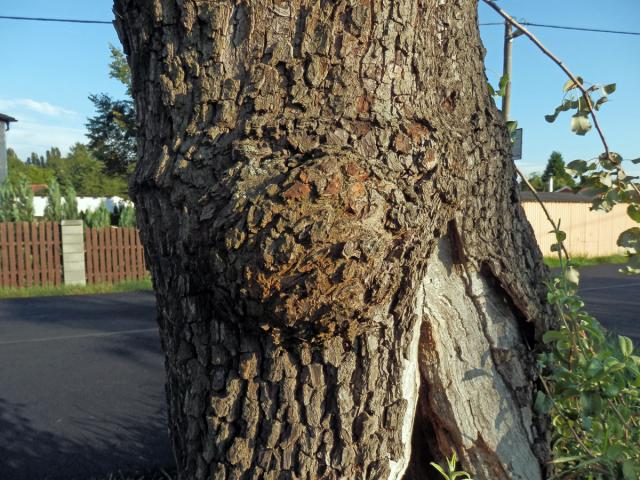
(535, 179)
(70, 208)
(341, 264)
(32, 172)
(112, 130)
(556, 168)
(54, 211)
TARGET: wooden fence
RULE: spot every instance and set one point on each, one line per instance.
(113, 255)
(589, 233)
(30, 254)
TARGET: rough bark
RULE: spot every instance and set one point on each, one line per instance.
(331, 220)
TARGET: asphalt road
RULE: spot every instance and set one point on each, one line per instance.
(81, 378)
(81, 387)
(613, 298)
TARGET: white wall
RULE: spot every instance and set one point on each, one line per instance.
(84, 203)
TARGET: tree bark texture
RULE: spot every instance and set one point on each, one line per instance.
(347, 285)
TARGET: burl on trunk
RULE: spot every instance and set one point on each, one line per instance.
(347, 285)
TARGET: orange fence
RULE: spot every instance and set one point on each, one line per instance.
(30, 254)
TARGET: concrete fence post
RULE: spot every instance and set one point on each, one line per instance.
(73, 267)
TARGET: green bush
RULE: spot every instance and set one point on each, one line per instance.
(127, 217)
(592, 392)
(70, 209)
(98, 218)
(16, 201)
(54, 211)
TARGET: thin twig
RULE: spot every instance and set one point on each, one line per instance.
(557, 61)
(544, 208)
(563, 67)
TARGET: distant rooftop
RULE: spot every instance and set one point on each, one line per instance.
(557, 197)
(6, 118)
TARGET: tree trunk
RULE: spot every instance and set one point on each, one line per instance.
(347, 285)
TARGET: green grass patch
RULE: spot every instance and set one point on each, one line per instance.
(553, 262)
(49, 291)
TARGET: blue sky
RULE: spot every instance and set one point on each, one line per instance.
(49, 69)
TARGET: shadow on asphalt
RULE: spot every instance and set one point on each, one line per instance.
(24, 447)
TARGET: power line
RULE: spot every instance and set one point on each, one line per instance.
(565, 27)
(531, 24)
(64, 20)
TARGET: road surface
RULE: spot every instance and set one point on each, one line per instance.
(81, 387)
(81, 382)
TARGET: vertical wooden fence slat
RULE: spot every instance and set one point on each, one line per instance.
(95, 255)
(126, 246)
(87, 255)
(11, 240)
(115, 254)
(42, 234)
(103, 255)
(122, 266)
(133, 269)
(107, 251)
(37, 279)
(4, 256)
(19, 254)
(56, 253)
(28, 257)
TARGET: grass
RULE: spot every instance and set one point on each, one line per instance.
(580, 261)
(49, 291)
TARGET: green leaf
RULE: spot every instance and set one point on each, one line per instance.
(560, 236)
(502, 85)
(542, 403)
(576, 167)
(601, 101)
(573, 458)
(594, 368)
(626, 345)
(629, 238)
(591, 403)
(609, 89)
(614, 452)
(630, 470)
(440, 469)
(553, 335)
(570, 84)
(580, 124)
(633, 210)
